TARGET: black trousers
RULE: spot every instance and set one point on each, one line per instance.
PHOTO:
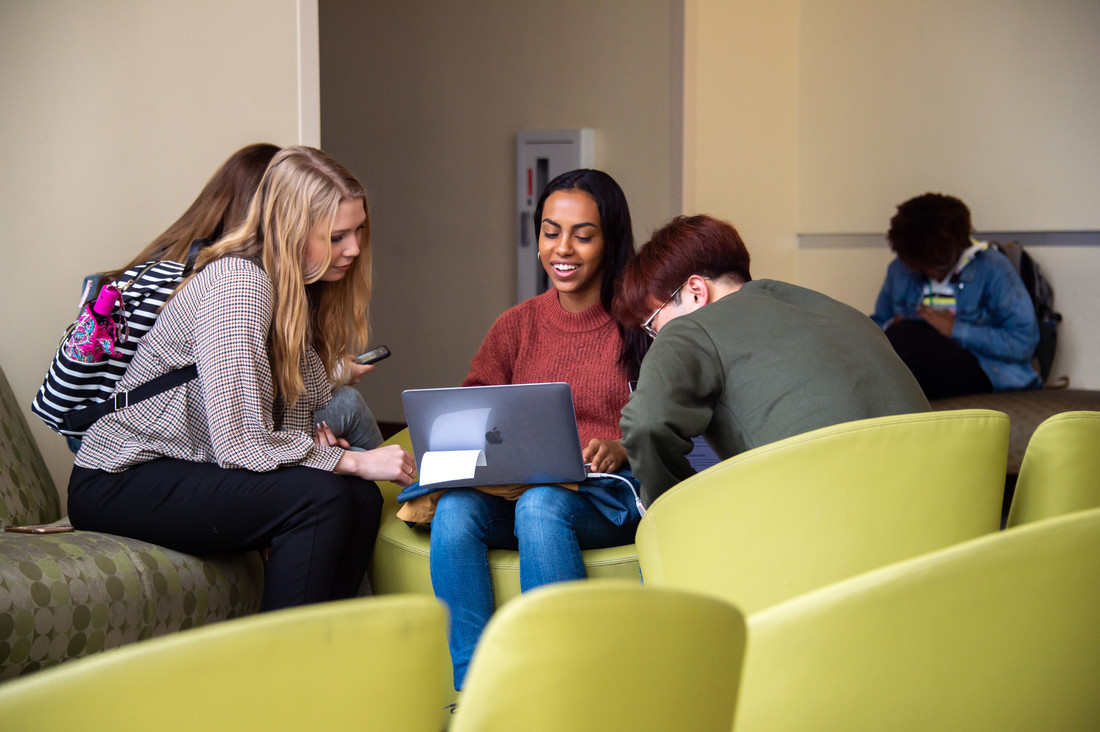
(943, 368)
(319, 526)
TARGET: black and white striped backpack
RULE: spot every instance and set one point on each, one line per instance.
(75, 393)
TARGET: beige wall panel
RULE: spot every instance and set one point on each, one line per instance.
(115, 115)
(1074, 271)
(423, 100)
(994, 101)
(853, 275)
(741, 123)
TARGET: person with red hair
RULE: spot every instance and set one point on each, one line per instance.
(741, 362)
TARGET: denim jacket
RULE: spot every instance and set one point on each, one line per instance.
(994, 318)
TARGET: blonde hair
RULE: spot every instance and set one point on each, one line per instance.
(302, 188)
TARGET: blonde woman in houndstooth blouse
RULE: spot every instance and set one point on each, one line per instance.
(231, 460)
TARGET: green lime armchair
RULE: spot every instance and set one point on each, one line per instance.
(368, 663)
(1060, 471)
(605, 655)
(997, 633)
(792, 516)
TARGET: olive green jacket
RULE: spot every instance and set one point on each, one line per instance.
(767, 362)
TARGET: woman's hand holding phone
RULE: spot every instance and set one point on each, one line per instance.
(374, 355)
(942, 320)
(357, 372)
(361, 365)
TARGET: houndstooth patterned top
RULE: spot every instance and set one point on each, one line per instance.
(219, 321)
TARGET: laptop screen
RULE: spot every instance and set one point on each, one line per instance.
(494, 435)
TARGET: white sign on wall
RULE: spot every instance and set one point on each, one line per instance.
(540, 157)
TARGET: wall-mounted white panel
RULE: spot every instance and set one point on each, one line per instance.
(540, 157)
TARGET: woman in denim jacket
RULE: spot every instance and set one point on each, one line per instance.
(954, 308)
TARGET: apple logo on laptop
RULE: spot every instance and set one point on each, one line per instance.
(493, 437)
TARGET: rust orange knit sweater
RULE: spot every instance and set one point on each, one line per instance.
(538, 341)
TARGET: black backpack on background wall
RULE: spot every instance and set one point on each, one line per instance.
(1042, 298)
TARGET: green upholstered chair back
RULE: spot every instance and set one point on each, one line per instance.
(792, 516)
(1060, 471)
(27, 492)
(371, 663)
(998, 633)
(605, 655)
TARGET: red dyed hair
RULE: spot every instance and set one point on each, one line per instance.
(686, 246)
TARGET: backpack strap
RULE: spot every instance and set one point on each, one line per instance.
(193, 253)
(81, 419)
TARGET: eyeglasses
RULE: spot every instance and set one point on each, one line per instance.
(647, 325)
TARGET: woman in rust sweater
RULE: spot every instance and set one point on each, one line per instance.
(565, 334)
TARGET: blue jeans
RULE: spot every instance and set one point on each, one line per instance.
(549, 525)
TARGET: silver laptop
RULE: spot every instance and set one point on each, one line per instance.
(494, 435)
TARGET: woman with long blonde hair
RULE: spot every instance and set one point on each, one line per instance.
(231, 460)
(221, 205)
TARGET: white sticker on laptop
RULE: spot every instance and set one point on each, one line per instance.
(442, 466)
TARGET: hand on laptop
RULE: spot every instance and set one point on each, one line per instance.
(604, 456)
(389, 462)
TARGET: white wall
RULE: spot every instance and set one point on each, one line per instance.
(993, 101)
(1075, 272)
(114, 116)
(817, 117)
(740, 123)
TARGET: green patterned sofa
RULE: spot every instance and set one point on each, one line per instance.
(63, 596)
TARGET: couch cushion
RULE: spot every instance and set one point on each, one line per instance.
(27, 492)
(64, 596)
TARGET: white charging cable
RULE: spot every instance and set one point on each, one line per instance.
(633, 490)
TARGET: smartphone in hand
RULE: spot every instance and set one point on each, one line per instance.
(372, 356)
